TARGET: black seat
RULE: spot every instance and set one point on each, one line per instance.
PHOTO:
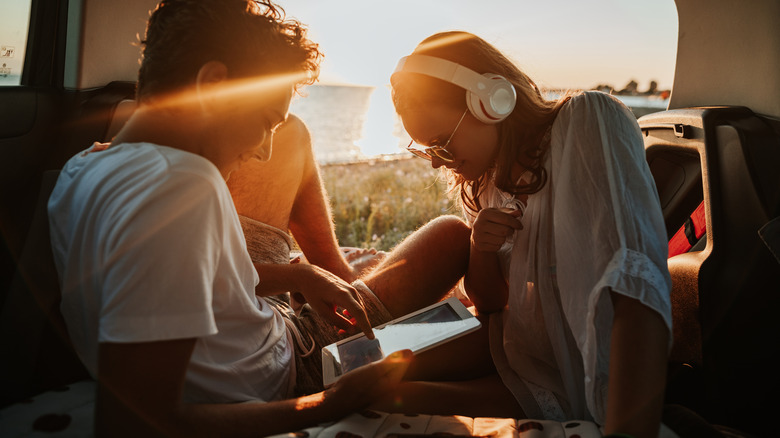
(726, 290)
(39, 355)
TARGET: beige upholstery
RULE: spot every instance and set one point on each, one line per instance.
(100, 47)
(718, 65)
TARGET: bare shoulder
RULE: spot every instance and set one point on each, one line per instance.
(291, 150)
(293, 130)
(266, 190)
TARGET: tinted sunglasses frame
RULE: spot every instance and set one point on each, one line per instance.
(440, 152)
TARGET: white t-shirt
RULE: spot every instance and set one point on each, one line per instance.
(149, 247)
(595, 226)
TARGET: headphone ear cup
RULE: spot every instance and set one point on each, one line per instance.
(502, 97)
(496, 103)
(477, 108)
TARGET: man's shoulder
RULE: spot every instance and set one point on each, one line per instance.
(145, 159)
(172, 159)
(135, 171)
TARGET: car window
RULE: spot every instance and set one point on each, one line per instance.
(14, 26)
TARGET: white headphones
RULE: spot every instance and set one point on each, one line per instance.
(489, 97)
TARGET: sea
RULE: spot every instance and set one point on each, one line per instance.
(355, 123)
(350, 123)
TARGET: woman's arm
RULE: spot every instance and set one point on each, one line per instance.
(141, 384)
(637, 369)
(484, 281)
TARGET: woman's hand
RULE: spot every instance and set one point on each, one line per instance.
(484, 281)
(492, 226)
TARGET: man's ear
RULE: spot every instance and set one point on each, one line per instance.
(210, 76)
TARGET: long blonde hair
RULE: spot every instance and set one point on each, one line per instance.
(523, 137)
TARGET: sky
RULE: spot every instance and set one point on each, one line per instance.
(559, 43)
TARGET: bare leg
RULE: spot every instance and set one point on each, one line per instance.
(464, 358)
(457, 378)
(483, 397)
(422, 268)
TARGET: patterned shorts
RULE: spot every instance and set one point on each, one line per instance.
(310, 332)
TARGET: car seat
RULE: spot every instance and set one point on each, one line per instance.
(726, 288)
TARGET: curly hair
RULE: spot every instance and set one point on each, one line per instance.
(251, 37)
(523, 137)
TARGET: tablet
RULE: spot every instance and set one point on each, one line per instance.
(417, 331)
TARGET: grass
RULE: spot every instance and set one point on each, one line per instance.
(377, 203)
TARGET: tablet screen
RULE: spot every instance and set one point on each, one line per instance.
(416, 333)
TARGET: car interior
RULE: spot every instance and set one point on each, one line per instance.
(714, 155)
(717, 149)
(76, 80)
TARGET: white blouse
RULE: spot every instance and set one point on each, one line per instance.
(595, 226)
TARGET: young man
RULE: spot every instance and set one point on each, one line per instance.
(158, 290)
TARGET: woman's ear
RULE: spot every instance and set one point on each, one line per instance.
(207, 85)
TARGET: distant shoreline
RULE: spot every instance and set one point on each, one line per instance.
(378, 160)
(351, 123)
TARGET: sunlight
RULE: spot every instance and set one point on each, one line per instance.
(441, 42)
(309, 401)
(245, 88)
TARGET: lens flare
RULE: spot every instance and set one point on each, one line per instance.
(239, 89)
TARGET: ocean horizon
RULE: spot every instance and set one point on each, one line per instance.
(351, 123)
(354, 123)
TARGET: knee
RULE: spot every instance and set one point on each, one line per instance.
(450, 227)
(450, 222)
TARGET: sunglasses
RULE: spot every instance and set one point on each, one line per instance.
(437, 151)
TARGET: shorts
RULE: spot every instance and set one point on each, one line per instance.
(310, 332)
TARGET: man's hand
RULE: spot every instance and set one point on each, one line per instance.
(361, 386)
(141, 386)
(326, 293)
(492, 226)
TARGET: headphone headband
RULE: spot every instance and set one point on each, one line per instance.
(490, 97)
(445, 70)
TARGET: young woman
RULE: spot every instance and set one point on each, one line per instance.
(568, 246)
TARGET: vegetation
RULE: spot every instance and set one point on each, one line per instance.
(377, 203)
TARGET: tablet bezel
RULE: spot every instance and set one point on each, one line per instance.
(329, 371)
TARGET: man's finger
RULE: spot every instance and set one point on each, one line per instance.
(361, 318)
(339, 321)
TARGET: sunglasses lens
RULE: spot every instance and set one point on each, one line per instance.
(444, 154)
(430, 152)
(419, 153)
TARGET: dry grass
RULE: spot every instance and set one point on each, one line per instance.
(378, 203)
